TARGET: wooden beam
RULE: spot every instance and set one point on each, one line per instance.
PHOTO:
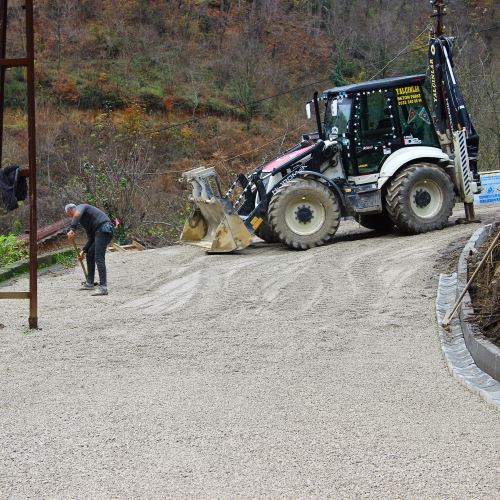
(12, 63)
(14, 295)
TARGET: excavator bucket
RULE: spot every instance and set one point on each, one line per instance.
(214, 225)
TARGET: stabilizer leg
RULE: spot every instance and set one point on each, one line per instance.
(470, 215)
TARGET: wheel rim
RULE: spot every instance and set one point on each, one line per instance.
(426, 198)
(304, 215)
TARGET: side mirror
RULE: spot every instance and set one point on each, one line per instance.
(308, 110)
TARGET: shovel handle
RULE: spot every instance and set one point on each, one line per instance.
(81, 262)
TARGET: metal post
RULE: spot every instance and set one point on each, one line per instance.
(30, 53)
(439, 13)
(470, 213)
(29, 63)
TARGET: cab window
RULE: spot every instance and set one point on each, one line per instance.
(414, 116)
(338, 114)
(373, 129)
(375, 123)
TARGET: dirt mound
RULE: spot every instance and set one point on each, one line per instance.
(485, 290)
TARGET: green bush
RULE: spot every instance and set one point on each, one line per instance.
(96, 98)
(15, 88)
(12, 249)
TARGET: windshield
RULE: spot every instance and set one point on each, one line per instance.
(338, 113)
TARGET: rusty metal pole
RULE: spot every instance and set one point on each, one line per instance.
(440, 14)
(30, 53)
(3, 45)
(29, 63)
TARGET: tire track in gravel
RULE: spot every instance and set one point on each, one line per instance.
(167, 298)
(269, 373)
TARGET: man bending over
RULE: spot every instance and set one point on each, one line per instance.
(99, 231)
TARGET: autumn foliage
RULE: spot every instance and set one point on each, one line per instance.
(181, 83)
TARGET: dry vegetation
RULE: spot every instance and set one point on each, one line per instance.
(112, 89)
(485, 291)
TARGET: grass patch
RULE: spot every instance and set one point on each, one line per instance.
(65, 259)
(12, 249)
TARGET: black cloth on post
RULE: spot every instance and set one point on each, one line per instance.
(13, 187)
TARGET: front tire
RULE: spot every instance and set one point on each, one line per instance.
(420, 198)
(304, 214)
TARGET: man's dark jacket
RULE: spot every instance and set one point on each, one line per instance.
(91, 219)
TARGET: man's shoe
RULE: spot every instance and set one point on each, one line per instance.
(87, 286)
(101, 290)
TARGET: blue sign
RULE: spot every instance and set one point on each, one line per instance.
(490, 182)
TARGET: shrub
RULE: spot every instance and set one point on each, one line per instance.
(15, 88)
(98, 98)
(116, 176)
(65, 88)
(12, 249)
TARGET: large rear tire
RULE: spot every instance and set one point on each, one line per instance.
(304, 214)
(381, 223)
(420, 198)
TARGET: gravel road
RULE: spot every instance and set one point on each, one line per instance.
(266, 374)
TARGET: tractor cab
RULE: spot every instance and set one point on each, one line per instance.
(371, 120)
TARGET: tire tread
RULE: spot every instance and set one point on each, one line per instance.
(396, 204)
(275, 207)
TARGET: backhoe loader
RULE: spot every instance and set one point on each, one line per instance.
(382, 154)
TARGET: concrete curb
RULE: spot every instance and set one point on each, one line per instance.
(458, 358)
(22, 266)
(469, 355)
(486, 355)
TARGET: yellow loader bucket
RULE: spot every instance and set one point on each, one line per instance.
(214, 225)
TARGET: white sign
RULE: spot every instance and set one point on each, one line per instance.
(490, 182)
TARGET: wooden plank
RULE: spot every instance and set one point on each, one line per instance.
(138, 245)
(130, 247)
(134, 246)
(14, 295)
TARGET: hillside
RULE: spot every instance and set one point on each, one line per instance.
(127, 101)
